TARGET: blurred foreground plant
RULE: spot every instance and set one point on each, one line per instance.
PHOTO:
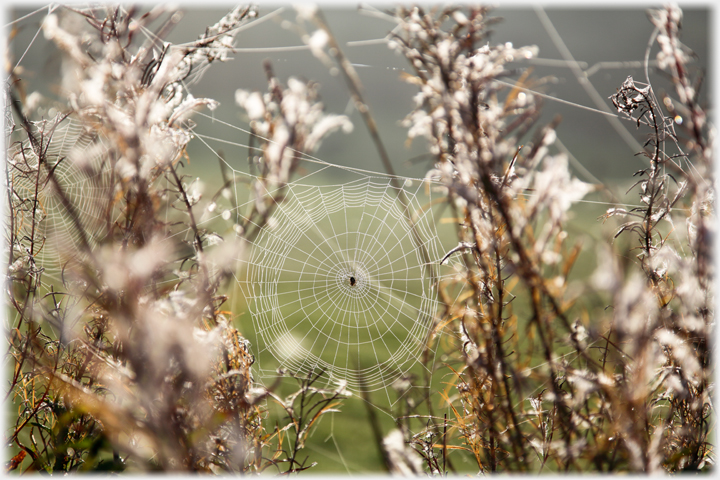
(123, 355)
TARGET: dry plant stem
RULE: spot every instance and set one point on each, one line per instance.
(304, 410)
(584, 80)
(256, 218)
(682, 85)
(210, 284)
(376, 428)
(353, 82)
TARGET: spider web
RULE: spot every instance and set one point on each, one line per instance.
(339, 283)
(75, 155)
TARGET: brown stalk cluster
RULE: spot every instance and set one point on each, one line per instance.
(542, 383)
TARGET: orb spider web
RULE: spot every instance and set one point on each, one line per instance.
(339, 281)
(75, 156)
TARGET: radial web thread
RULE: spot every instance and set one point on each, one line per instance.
(339, 282)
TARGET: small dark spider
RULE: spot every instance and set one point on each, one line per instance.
(352, 281)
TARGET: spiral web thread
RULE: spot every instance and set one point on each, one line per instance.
(75, 155)
(338, 283)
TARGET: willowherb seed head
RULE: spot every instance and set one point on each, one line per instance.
(402, 458)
